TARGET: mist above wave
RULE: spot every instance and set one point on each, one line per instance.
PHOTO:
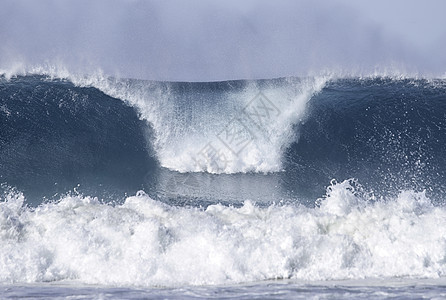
(216, 41)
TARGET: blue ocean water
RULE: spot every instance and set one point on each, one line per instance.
(278, 188)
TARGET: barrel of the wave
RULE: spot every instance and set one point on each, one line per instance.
(57, 136)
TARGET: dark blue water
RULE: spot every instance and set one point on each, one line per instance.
(388, 134)
(56, 137)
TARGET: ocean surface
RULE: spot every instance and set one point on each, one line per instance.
(315, 187)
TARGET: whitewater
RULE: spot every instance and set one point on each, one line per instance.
(290, 187)
(144, 242)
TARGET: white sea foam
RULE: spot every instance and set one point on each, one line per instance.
(145, 242)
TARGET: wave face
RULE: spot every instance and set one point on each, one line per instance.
(230, 180)
(389, 134)
(55, 136)
(119, 136)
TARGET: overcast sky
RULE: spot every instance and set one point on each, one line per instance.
(421, 23)
(203, 40)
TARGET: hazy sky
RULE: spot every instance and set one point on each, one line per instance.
(421, 23)
(202, 40)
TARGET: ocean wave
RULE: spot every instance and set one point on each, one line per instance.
(62, 132)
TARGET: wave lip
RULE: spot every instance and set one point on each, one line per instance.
(217, 127)
(148, 243)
